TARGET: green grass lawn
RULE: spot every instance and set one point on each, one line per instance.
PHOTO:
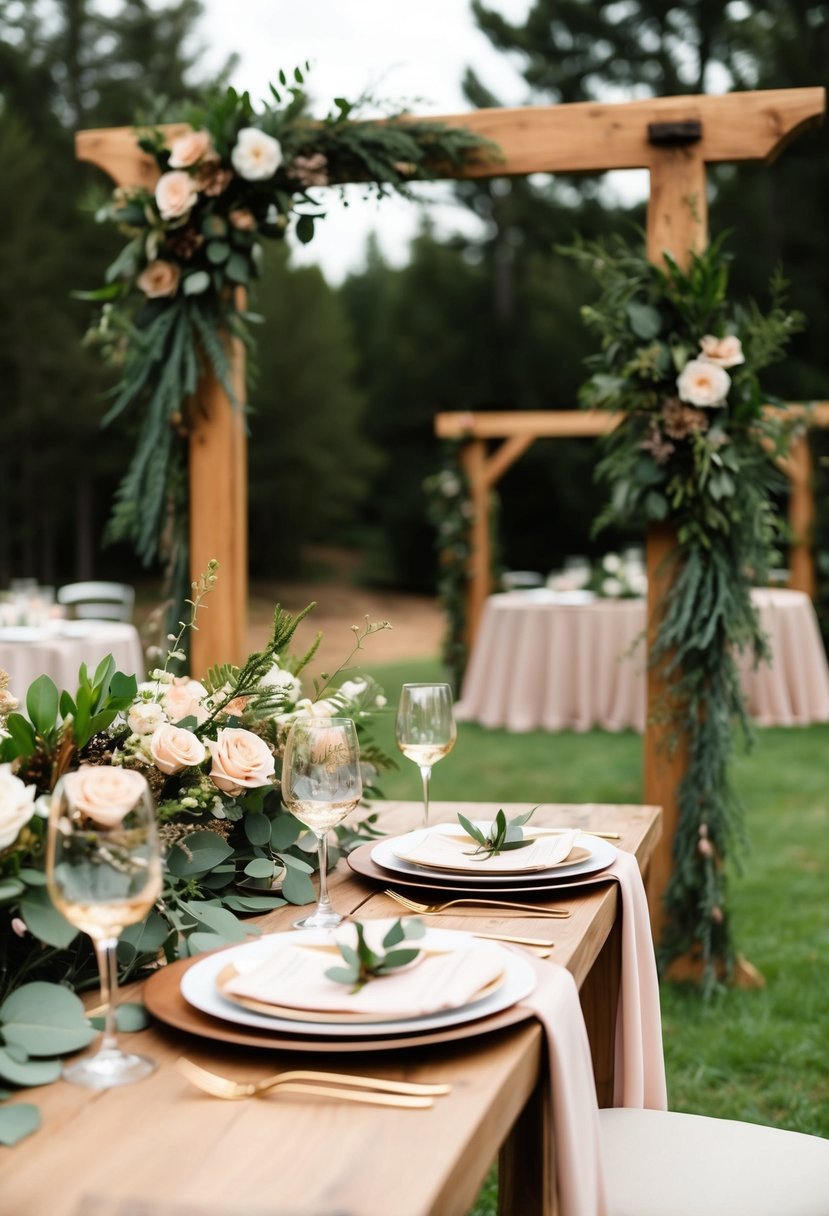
(759, 1055)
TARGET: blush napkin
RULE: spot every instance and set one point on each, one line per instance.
(639, 1063)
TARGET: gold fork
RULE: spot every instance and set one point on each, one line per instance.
(373, 1090)
(433, 909)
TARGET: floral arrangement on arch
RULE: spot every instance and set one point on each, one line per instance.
(210, 751)
(695, 450)
(230, 178)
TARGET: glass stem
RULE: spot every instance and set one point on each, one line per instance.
(425, 773)
(324, 904)
(108, 967)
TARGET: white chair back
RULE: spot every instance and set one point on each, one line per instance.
(99, 601)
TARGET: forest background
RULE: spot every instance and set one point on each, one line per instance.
(350, 377)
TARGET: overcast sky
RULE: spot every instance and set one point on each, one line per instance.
(413, 52)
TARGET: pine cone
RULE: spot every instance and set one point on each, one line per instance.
(36, 770)
(98, 750)
(184, 242)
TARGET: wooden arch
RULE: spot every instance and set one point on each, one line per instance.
(674, 138)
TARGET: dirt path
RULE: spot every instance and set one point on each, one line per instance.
(417, 623)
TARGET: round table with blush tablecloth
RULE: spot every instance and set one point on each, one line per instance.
(58, 649)
(545, 661)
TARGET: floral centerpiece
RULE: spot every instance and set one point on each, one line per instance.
(694, 450)
(210, 751)
(230, 177)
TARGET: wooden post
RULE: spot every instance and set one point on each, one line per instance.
(798, 466)
(677, 224)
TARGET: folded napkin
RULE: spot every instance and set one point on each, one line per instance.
(571, 1093)
(293, 976)
(448, 849)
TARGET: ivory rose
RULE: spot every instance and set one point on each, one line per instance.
(725, 352)
(241, 760)
(703, 384)
(16, 805)
(175, 194)
(174, 748)
(159, 279)
(144, 717)
(255, 156)
(183, 699)
(103, 792)
(189, 149)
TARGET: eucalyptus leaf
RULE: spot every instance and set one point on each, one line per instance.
(10, 888)
(260, 867)
(257, 828)
(197, 854)
(32, 878)
(17, 1122)
(297, 888)
(217, 920)
(130, 1017)
(43, 919)
(33, 1072)
(195, 284)
(44, 1019)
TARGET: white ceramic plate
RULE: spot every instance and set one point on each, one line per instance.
(198, 987)
(602, 854)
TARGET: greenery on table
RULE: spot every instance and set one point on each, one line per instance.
(503, 836)
(694, 450)
(175, 296)
(362, 963)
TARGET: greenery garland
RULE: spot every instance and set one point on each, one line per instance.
(695, 450)
(175, 294)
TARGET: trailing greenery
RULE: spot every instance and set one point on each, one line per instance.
(175, 296)
(694, 450)
(450, 512)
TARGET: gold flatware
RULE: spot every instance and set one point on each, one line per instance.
(374, 1090)
(433, 909)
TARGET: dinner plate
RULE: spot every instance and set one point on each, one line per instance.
(601, 855)
(459, 860)
(199, 989)
(433, 885)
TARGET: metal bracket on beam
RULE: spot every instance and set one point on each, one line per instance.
(673, 134)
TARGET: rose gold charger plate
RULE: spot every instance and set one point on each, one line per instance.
(162, 996)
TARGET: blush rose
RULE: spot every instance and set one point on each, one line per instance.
(725, 352)
(191, 148)
(159, 279)
(175, 195)
(241, 760)
(104, 793)
(174, 748)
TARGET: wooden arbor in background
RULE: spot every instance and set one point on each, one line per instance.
(674, 138)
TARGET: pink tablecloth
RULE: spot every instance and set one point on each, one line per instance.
(59, 649)
(540, 664)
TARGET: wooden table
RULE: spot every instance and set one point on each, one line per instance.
(161, 1148)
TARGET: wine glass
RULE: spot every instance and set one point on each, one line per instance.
(425, 729)
(103, 871)
(321, 784)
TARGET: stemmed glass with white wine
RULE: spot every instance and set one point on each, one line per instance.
(425, 729)
(103, 871)
(321, 784)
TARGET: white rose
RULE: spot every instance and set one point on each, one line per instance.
(16, 805)
(173, 748)
(316, 709)
(103, 792)
(241, 760)
(175, 194)
(352, 689)
(612, 563)
(284, 681)
(611, 587)
(183, 699)
(144, 717)
(725, 352)
(703, 384)
(255, 155)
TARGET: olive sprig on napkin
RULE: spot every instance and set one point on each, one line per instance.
(502, 836)
(364, 964)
